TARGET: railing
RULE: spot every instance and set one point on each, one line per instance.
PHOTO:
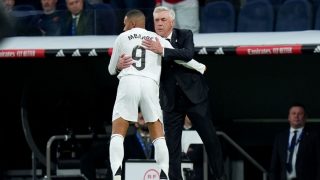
(65, 138)
(244, 153)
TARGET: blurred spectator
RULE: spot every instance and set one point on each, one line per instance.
(49, 22)
(79, 19)
(8, 5)
(296, 150)
(187, 13)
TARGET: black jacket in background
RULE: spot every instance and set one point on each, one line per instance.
(308, 157)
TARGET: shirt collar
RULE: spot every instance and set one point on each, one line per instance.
(76, 16)
(170, 36)
(299, 131)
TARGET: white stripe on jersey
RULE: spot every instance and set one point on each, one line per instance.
(146, 63)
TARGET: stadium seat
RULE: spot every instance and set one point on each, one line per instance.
(21, 10)
(218, 16)
(294, 15)
(275, 3)
(317, 20)
(105, 19)
(256, 16)
(24, 19)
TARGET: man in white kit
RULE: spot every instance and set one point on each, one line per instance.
(139, 87)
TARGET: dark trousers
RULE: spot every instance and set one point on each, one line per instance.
(200, 116)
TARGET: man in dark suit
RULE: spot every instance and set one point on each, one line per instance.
(78, 19)
(49, 22)
(296, 152)
(182, 92)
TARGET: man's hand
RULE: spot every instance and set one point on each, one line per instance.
(124, 62)
(153, 46)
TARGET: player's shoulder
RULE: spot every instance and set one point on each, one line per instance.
(153, 34)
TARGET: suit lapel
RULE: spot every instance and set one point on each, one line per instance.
(302, 144)
(285, 145)
(174, 38)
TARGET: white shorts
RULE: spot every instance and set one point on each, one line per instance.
(136, 91)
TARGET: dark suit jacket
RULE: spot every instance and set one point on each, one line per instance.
(308, 157)
(85, 23)
(50, 24)
(191, 82)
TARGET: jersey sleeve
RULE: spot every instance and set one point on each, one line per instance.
(193, 64)
(115, 56)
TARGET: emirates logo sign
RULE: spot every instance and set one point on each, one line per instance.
(151, 174)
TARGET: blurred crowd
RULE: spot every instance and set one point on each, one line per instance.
(91, 17)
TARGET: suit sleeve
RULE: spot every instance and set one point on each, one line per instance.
(184, 47)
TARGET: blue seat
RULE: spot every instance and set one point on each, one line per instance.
(105, 19)
(317, 20)
(218, 16)
(274, 3)
(24, 18)
(256, 16)
(294, 15)
(21, 10)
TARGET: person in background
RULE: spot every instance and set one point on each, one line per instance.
(296, 151)
(183, 9)
(8, 5)
(79, 19)
(49, 22)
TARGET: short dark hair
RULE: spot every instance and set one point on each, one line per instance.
(299, 104)
(135, 13)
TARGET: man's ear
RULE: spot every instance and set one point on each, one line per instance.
(133, 24)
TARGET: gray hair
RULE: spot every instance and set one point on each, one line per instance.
(163, 8)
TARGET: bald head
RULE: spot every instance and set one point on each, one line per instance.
(134, 18)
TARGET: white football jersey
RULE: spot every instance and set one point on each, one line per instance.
(146, 63)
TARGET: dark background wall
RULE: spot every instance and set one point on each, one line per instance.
(250, 96)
